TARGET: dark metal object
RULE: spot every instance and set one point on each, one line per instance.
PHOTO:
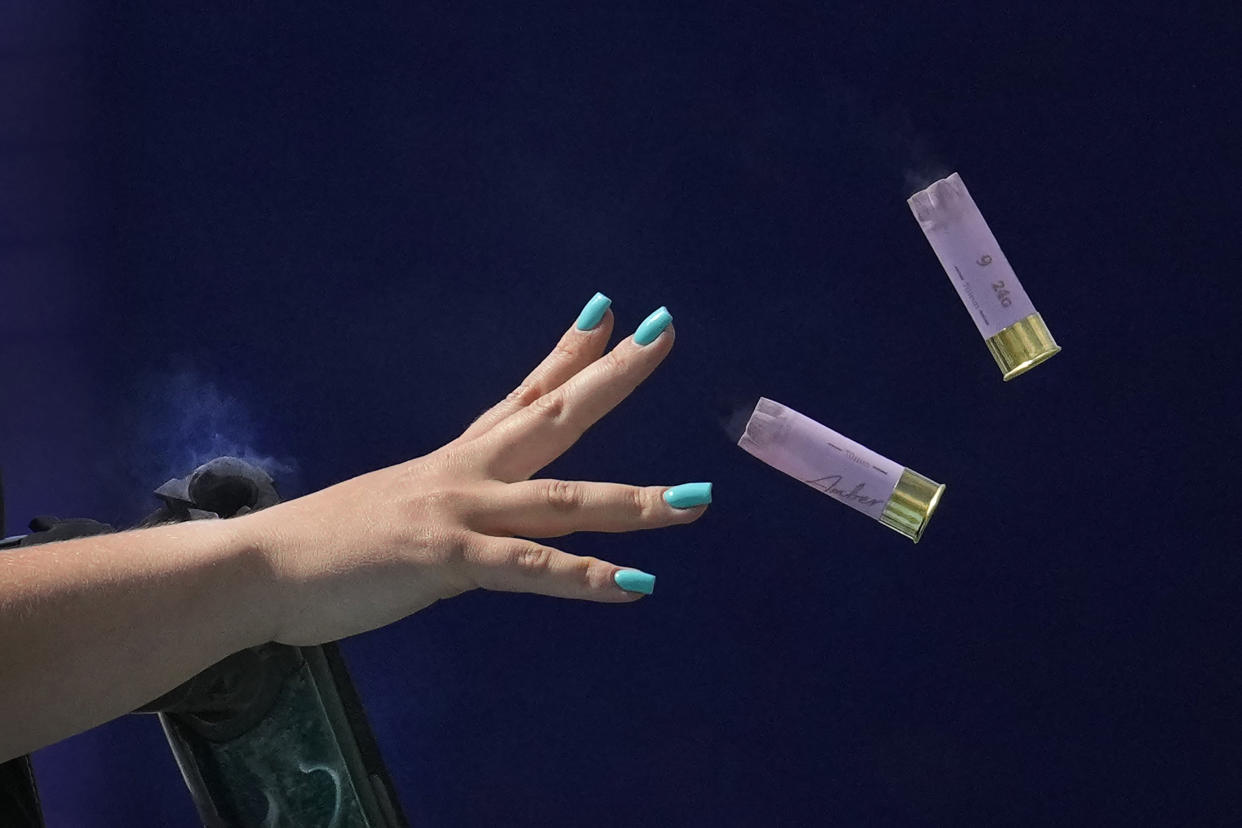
(309, 760)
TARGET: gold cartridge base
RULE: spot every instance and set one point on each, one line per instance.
(910, 508)
(1023, 345)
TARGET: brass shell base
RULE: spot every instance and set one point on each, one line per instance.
(910, 508)
(1023, 345)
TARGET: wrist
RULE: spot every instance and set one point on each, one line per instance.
(250, 577)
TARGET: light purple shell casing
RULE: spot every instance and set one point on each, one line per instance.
(820, 457)
(970, 255)
(832, 463)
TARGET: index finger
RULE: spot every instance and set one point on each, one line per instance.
(532, 438)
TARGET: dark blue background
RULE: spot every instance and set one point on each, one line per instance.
(333, 236)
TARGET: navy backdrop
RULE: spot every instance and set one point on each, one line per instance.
(328, 237)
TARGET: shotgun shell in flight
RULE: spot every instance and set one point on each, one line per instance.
(1015, 333)
(900, 498)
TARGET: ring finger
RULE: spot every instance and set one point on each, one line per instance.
(551, 508)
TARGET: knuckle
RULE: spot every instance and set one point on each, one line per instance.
(458, 562)
(531, 560)
(566, 350)
(452, 549)
(441, 503)
(613, 364)
(444, 552)
(642, 503)
(523, 395)
(550, 406)
(588, 572)
(563, 495)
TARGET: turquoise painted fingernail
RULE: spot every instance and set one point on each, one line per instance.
(653, 326)
(633, 580)
(593, 312)
(688, 494)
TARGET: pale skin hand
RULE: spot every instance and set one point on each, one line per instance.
(92, 628)
(376, 548)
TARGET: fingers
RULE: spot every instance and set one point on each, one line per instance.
(551, 508)
(515, 565)
(579, 347)
(531, 438)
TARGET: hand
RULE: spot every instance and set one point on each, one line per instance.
(374, 549)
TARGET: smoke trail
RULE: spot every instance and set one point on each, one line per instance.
(925, 176)
(733, 412)
(185, 419)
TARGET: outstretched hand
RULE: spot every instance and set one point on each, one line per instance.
(376, 548)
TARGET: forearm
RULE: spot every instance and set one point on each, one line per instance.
(92, 628)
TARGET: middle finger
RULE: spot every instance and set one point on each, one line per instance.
(551, 508)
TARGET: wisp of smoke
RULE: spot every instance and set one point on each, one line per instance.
(732, 415)
(187, 420)
(905, 143)
(924, 177)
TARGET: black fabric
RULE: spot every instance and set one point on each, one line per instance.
(19, 797)
(48, 528)
(225, 487)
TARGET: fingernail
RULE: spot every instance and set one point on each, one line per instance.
(633, 580)
(653, 326)
(594, 312)
(688, 494)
